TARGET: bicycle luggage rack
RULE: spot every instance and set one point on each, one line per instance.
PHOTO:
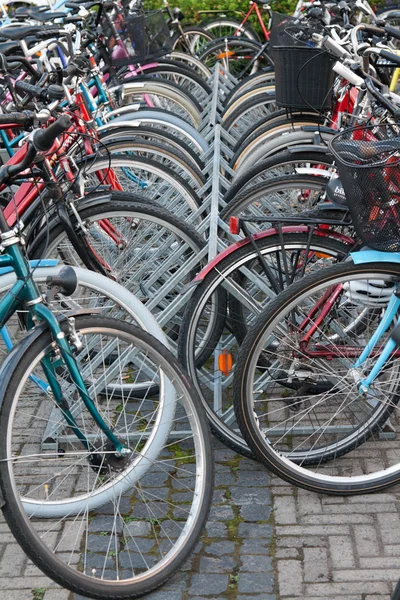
(216, 161)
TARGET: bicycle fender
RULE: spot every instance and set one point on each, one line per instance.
(243, 242)
(309, 148)
(363, 257)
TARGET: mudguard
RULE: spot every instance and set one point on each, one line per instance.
(363, 257)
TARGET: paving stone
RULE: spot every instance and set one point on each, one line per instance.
(209, 584)
(285, 510)
(316, 565)
(216, 529)
(249, 496)
(221, 513)
(255, 546)
(56, 595)
(12, 561)
(290, 578)
(345, 589)
(255, 563)
(366, 575)
(366, 540)
(255, 512)
(254, 530)
(224, 564)
(220, 548)
(257, 597)
(341, 551)
(253, 479)
(253, 583)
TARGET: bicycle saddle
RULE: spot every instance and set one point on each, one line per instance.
(19, 33)
(8, 48)
(260, 2)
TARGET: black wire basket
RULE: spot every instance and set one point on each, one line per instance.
(146, 37)
(368, 160)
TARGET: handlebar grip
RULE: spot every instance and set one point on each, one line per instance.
(335, 48)
(17, 118)
(347, 74)
(70, 71)
(392, 31)
(21, 87)
(43, 139)
(390, 56)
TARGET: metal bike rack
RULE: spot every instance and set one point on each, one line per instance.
(166, 306)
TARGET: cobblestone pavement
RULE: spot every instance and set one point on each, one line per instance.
(264, 541)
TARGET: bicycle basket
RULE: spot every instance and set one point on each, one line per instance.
(146, 37)
(368, 161)
(303, 78)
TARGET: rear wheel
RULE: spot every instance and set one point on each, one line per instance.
(225, 304)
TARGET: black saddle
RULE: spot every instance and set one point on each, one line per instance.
(19, 33)
(9, 48)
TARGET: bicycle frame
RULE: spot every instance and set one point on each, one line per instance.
(25, 292)
(328, 301)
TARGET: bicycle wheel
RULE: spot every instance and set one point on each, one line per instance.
(160, 152)
(162, 120)
(296, 393)
(238, 282)
(252, 111)
(265, 76)
(223, 27)
(166, 95)
(146, 531)
(180, 73)
(146, 249)
(144, 176)
(192, 40)
(238, 56)
(251, 150)
(188, 60)
(277, 196)
(153, 134)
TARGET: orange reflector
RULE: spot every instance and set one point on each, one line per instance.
(321, 255)
(234, 226)
(225, 362)
(227, 54)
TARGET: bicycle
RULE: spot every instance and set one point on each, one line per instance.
(316, 380)
(108, 443)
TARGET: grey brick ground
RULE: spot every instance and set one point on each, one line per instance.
(264, 540)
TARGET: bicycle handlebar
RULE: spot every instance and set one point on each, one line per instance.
(43, 139)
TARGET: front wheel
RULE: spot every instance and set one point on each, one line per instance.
(193, 39)
(296, 388)
(158, 494)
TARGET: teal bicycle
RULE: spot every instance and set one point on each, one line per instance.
(117, 506)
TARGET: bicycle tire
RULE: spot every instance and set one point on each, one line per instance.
(156, 135)
(245, 30)
(254, 110)
(197, 313)
(216, 50)
(252, 146)
(266, 75)
(160, 152)
(181, 43)
(275, 196)
(45, 550)
(289, 463)
(142, 176)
